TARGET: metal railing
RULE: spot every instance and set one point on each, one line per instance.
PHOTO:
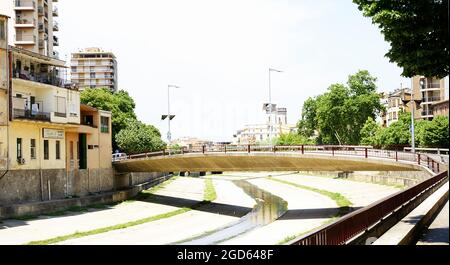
(431, 99)
(25, 3)
(30, 115)
(329, 150)
(355, 223)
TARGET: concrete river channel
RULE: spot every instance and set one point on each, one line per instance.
(268, 208)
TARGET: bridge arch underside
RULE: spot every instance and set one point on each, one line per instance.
(260, 162)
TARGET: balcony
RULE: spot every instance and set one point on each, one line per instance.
(430, 99)
(40, 10)
(44, 78)
(24, 109)
(55, 26)
(25, 23)
(55, 12)
(25, 39)
(55, 41)
(24, 5)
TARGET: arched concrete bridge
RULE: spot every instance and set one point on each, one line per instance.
(278, 158)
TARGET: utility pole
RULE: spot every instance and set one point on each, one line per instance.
(413, 103)
(271, 110)
(168, 116)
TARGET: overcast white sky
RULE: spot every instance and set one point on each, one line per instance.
(219, 53)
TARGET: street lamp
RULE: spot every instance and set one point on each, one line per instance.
(271, 110)
(168, 116)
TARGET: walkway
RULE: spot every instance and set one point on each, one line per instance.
(437, 232)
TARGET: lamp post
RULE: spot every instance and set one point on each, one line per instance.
(168, 116)
(271, 110)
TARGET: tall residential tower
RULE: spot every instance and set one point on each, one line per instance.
(94, 68)
(34, 25)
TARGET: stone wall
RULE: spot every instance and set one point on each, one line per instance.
(403, 178)
(34, 185)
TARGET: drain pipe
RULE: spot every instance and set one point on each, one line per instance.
(8, 103)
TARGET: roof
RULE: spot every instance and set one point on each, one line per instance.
(4, 16)
(84, 107)
(38, 57)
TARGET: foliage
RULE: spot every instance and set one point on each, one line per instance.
(417, 32)
(138, 137)
(427, 133)
(339, 114)
(434, 133)
(293, 139)
(369, 132)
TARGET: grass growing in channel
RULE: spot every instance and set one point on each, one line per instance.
(209, 195)
(340, 200)
(109, 228)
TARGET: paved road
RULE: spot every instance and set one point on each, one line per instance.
(437, 232)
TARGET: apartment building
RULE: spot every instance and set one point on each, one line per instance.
(394, 103)
(51, 146)
(274, 125)
(427, 91)
(94, 68)
(4, 73)
(440, 108)
(34, 26)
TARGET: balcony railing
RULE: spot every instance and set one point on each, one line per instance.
(431, 99)
(31, 115)
(25, 3)
(24, 21)
(89, 124)
(45, 78)
(55, 12)
(26, 37)
(433, 85)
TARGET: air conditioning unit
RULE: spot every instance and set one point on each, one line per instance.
(21, 161)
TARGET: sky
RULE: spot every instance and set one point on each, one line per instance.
(219, 53)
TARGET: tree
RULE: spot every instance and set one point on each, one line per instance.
(434, 133)
(369, 132)
(138, 137)
(417, 32)
(293, 139)
(340, 113)
(120, 104)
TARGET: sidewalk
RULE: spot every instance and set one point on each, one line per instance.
(437, 232)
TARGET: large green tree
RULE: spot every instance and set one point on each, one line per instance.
(138, 137)
(417, 31)
(339, 114)
(293, 139)
(434, 133)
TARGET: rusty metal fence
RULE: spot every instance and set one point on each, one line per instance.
(351, 225)
(329, 150)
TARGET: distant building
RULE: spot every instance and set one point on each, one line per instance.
(94, 68)
(191, 142)
(255, 133)
(394, 103)
(440, 108)
(427, 91)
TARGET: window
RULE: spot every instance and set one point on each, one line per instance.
(2, 30)
(58, 150)
(92, 75)
(71, 150)
(104, 124)
(46, 151)
(19, 148)
(33, 148)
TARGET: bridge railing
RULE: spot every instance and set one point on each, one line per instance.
(332, 150)
(353, 224)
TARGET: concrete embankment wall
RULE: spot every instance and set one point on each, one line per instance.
(42, 207)
(402, 178)
(30, 186)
